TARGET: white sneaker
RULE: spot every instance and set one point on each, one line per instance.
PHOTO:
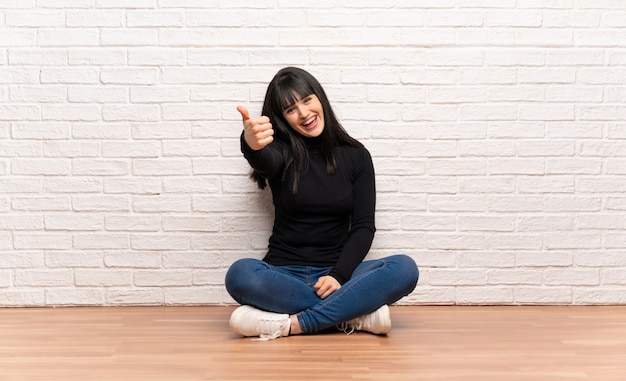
(250, 321)
(377, 322)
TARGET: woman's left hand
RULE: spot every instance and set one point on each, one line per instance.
(326, 285)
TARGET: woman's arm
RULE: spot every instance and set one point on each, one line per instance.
(362, 224)
(258, 146)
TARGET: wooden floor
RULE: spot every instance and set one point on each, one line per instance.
(426, 343)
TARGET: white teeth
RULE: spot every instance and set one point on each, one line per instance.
(309, 121)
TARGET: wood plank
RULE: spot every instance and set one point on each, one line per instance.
(432, 343)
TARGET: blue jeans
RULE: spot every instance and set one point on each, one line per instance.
(289, 289)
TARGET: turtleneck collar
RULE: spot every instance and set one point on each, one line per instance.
(314, 143)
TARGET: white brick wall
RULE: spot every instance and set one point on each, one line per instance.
(497, 129)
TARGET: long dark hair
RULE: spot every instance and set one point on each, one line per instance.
(283, 91)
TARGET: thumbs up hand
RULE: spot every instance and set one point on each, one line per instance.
(257, 132)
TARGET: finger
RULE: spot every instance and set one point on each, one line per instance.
(323, 290)
(245, 115)
(265, 141)
(263, 127)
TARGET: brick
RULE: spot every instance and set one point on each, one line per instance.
(20, 149)
(21, 37)
(491, 184)
(433, 37)
(74, 37)
(38, 94)
(598, 295)
(44, 278)
(159, 94)
(100, 241)
(485, 295)
(22, 297)
(428, 222)
(196, 147)
(135, 259)
(103, 277)
(99, 167)
(140, 18)
(513, 277)
(527, 19)
(529, 148)
(209, 277)
(47, 167)
(192, 295)
(72, 222)
(19, 113)
(195, 185)
(97, 56)
(430, 184)
(459, 241)
(129, 76)
(143, 149)
(221, 241)
(76, 184)
(486, 223)
(456, 58)
(568, 240)
(217, 203)
(160, 131)
(102, 203)
(161, 167)
(538, 259)
(556, 112)
(128, 37)
(132, 113)
(192, 259)
(449, 18)
(457, 94)
(487, 260)
(134, 297)
(65, 4)
(161, 203)
(71, 149)
(547, 184)
(69, 259)
(154, 278)
(615, 241)
(543, 295)
(135, 222)
(454, 167)
(75, 297)
(89, 19)
(510, 204)
(143, 185)
(36, 57)
(97, 94)
(41, 203)
(513, 242)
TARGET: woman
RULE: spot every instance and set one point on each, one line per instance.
(313, 276)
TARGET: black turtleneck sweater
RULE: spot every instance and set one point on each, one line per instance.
(330, 221)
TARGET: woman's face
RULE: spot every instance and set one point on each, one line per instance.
(306, 116)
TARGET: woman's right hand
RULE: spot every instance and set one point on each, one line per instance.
(257, 132)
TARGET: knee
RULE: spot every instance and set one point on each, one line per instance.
(238, 273)
(408, 269)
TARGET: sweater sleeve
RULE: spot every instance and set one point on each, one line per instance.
(362, 225)
(268, 161)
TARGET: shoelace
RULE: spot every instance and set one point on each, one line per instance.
(273, 328)
(347, 327)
